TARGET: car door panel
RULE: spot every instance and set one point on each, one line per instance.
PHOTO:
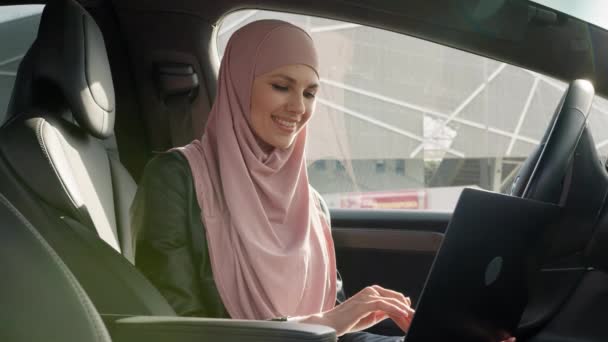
(391, 248)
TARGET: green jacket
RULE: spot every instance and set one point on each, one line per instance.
(171, 245)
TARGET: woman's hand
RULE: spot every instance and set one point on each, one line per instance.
(363, 310)
(368, 307)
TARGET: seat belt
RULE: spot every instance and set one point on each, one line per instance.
(178, 87)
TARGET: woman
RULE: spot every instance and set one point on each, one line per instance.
(228, 225)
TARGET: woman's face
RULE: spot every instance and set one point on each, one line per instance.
(282, 102)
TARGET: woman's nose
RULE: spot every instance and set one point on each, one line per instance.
(296, 104)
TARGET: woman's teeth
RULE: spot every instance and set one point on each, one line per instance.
(285, 123)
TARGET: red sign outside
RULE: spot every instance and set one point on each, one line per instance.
(404, 199)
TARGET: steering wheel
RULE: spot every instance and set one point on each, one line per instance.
(542, 175)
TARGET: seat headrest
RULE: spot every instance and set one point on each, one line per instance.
(68, 54)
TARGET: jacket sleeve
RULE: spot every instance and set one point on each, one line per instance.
(160, 220)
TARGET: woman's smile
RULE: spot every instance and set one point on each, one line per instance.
(286, 125)
(282, 102)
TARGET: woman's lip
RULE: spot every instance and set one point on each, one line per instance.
(282, 127)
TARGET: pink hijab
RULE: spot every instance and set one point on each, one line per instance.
(271, 251)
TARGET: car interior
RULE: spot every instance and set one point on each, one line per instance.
(106, 85)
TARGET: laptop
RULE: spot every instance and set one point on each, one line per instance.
(477, 288)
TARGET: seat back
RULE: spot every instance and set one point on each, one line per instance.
(41, 299)
(61, 110)
(54, 167)
(113, 283)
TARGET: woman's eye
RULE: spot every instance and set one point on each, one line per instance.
(309, 95)
(279, 87)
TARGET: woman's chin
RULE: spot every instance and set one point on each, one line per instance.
(282, 144)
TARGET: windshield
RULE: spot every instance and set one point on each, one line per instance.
(591, 11)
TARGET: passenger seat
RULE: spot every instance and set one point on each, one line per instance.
(57, 172)
(58, 311)
(62, 108)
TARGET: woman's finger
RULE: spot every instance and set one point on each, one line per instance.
(402, 322)
(369, 320)
(396, 302)
(394, 294)
(365, 301)
(365, 309)
(371, 293)
(389, 305)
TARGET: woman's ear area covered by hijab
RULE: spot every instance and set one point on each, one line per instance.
(282, 103)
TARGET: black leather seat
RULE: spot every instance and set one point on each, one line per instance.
(58, 173)
(61, 110)
(57, 311)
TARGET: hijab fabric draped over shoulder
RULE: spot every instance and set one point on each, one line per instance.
(271, 253)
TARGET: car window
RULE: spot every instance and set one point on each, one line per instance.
(18, 28)
(405, 123)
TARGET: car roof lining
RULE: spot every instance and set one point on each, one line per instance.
(547, 47)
